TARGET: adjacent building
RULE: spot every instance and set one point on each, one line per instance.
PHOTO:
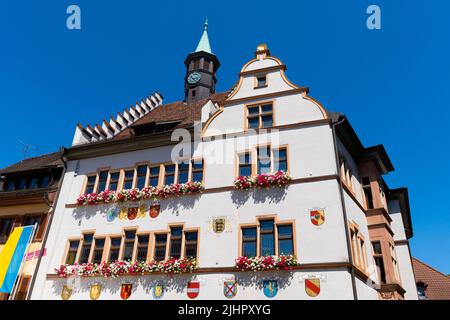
(431, 283)
(27, 193)
(209, 185)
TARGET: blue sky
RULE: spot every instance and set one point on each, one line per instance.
(391, 84)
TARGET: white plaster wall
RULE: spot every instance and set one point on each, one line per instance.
(365, 291)
(408, 281)
(289, 109)
(335, 285)
(397, 225)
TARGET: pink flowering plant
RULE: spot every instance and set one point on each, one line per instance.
(264, 180)
(107, 196)
(124, 268)
(284, 262)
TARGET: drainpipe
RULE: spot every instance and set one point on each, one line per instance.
(344, 211)
(47, 228)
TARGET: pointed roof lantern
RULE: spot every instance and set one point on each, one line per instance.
(203, 44)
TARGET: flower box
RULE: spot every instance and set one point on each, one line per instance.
(124, 268)
(284, 262)
(264, 180)
(108, 196)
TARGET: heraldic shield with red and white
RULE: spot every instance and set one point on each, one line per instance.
(193, 289)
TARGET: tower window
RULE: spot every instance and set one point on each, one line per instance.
(193, 93)
(367, 192)
(196, 64)
(206, 64)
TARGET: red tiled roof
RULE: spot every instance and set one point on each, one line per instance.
(438, 284)
(178, 111)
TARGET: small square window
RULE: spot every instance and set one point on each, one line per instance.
(261, 81)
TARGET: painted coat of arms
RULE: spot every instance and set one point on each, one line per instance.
(158, 291)
(312, 287)
(154, 210)
(317, 217)
(132, 213)
(125, 290)
(193, 289)
(270, 288)
(112, 214)
(230, 288)
(66, 292)
(94, 292)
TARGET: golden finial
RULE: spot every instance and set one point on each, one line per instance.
(262, 51)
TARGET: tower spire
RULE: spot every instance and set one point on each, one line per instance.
(203, 44)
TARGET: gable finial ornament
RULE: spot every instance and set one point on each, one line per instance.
(262, 51)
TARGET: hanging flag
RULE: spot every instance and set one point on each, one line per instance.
(12, 256)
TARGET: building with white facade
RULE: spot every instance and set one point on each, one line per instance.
(262, 170)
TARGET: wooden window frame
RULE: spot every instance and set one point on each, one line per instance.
(189, 169)
(123, 179)
(94, 247)
(149, 244)
(108, 184)
(147, 174)
(191, 163)
(175, 174)
(253, 152)
(67, 249)
(108, 246)
(258, 233)
(85, 185)
(124, 240)
(260, 114)
(160, 176)
(84, 233)
(256, 82)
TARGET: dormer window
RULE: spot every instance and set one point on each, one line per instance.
(261, 81)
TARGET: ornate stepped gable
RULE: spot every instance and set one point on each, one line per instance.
(123, 120)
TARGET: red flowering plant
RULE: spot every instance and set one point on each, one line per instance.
(135, 194)
(264, 180)
(123, 268)
(284, 262)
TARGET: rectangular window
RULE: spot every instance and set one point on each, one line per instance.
(280, 160)
(197, 170)
(196, 64)
(169, 177)
(260, 116)
(245, 165)
(33, 183)
(160, 247)
(261, 81)
(114, 249)
(367, 192)
(263, 160)
(285, 240)
(44, 182)
(130, 237)
(99, 245)
(249, 242)
(267, 237)
(72, 252)
(183, 172)
(6, 225)
(141, 176)
(90, 184)
(102, 178)
(31, 221)
(206, 64)
(128, 179)
(142, 247)
(154, 176)
(21, 184)
(190, 239)
(86, 248)
(114, 181)
(9, 185)
(176, 234)
(22, 290)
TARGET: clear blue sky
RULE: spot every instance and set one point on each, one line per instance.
(392, 84)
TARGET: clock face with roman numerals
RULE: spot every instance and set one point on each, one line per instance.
(194, 77)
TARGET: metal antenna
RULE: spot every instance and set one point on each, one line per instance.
(25, 148)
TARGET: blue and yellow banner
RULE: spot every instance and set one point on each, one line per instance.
(12, 256)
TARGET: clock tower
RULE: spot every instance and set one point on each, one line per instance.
(201, 66)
